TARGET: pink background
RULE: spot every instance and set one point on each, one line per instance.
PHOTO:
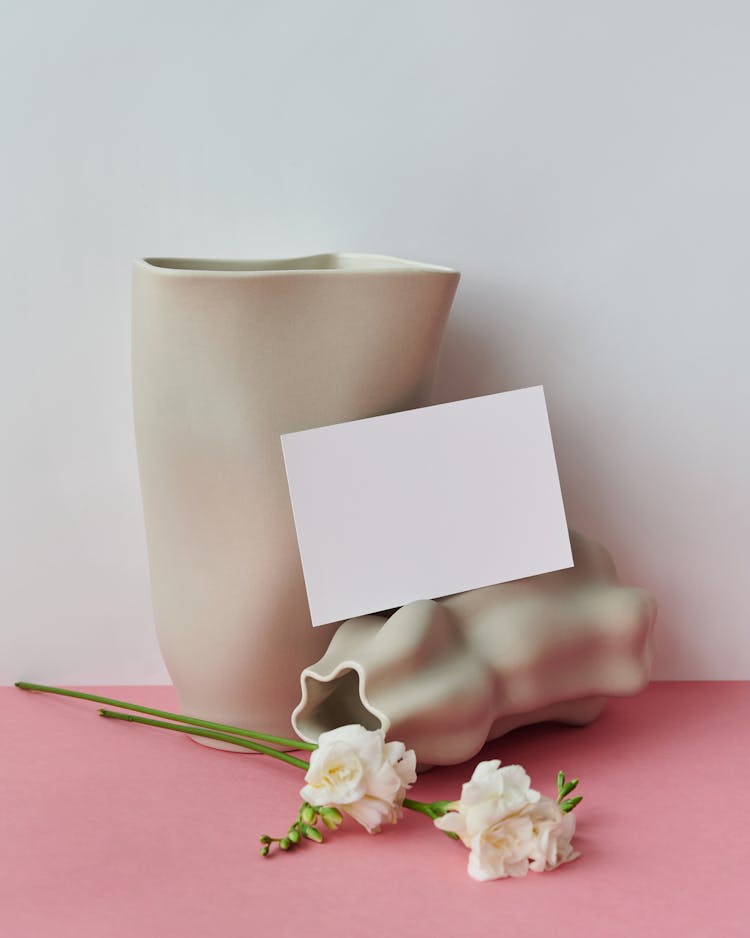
(115, 830)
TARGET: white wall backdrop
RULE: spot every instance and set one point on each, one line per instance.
(585, 165)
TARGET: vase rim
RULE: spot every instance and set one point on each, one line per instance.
(331, 263)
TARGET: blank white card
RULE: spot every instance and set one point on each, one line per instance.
(425, 503)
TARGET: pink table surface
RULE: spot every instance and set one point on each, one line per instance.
(109, 829)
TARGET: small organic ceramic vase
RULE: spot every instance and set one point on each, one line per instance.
(445, 676)
(228, 355)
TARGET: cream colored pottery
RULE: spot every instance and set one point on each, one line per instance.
(445, 676)
(228, 355)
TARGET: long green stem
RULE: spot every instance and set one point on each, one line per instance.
(209, 734)
(179, 717)
(220, 731)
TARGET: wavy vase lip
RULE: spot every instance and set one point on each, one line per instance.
(333, 263)
(318, 688)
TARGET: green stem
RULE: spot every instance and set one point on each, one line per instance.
(421, 806)
(432, 810)
(179, 717)
(209, 734)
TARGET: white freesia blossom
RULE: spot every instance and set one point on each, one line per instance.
(508, 826)
(358, 772)
(502, 849)
(492, 794)
(553, 832)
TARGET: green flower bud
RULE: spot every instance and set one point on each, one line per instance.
(264, 850)
(293, 836)
(265, 839)
(312, 833)
(332, 813)
(308, 814)
(284, 844)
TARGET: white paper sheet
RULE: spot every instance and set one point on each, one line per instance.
(425, 503)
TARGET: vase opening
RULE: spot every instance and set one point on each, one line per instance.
(334, 701)
(358, 263)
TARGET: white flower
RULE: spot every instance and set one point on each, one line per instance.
(553, 832)
(508, 826)
(502, 849)
(358, 772)
(492, 794)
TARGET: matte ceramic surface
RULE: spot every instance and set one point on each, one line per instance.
(228, 355)
(446, 676)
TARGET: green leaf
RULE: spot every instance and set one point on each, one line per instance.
(571, 803)
(568, 787)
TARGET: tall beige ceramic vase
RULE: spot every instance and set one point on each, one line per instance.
(228, 355)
